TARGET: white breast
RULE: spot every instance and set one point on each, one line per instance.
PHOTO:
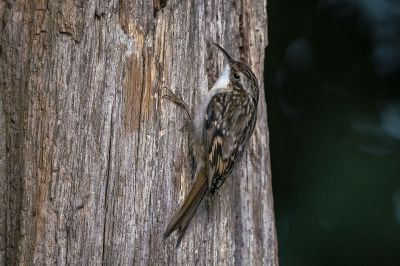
(219, 86)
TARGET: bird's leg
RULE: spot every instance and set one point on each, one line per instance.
(177, 99)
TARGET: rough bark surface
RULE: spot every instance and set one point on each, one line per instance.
(93, 163)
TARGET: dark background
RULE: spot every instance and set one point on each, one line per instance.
(332, 88)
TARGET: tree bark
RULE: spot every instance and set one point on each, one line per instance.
(93, 163)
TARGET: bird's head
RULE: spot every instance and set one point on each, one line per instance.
(240, 75)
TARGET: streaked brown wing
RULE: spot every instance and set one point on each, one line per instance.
(219, 142)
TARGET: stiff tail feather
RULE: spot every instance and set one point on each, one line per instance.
(180, 221)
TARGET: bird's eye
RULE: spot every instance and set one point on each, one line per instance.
(236, 76)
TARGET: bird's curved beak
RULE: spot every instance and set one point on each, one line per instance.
(230, 60)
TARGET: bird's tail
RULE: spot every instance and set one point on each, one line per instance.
(182, 217)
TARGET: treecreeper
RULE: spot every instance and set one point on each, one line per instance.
(222, 126)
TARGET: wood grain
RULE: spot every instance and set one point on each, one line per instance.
(93, 163)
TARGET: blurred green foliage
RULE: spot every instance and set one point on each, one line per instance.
(333, 95)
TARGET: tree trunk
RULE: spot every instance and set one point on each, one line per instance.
(93, 162)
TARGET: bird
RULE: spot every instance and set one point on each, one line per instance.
(223, 124)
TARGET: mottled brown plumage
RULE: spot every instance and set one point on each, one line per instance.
(223, 124)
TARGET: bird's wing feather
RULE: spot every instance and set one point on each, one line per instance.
(218, 140)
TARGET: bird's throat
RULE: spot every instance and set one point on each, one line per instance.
(223, 79)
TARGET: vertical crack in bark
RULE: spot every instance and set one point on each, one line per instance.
(238, 231)
(158, 5)
(138, 140)
(244, 49)
(150, 231)
(110, 142)
(139, 124)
